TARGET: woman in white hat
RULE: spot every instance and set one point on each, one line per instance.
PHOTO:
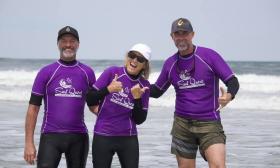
(122, 94)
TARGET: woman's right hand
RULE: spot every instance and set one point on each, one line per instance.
(115, 86)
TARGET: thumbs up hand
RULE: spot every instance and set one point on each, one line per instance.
(115, 86)
(224, 99)
(137, 91)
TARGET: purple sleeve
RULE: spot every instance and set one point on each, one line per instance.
(41, 80)
(104, 80)
(91, 76)
(163, 81)
(220, 67)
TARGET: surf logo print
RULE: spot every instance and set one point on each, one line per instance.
(66, 89)
(184, 75)
(188, 82)
(122, 98)
(65, 84)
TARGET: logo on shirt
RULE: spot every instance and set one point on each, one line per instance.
(121, 98)
(184, 75)
(66, 89)
(188, 82)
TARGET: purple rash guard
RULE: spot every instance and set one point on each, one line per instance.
(63, 88)
(196, 83)
(114, 117)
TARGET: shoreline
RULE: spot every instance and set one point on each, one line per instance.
(252, 139)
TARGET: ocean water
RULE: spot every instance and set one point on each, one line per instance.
(251, 121)
(259, 81)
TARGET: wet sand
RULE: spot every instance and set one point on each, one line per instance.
(253, 139)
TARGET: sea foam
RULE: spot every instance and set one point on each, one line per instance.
(256, 91)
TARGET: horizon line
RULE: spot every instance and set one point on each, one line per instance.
(94, 59)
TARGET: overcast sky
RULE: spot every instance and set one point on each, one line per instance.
(237, 29)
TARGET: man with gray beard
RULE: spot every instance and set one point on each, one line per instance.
(194, 72)
(63, 85)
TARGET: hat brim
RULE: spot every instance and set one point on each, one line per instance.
(62, 34)
(176, 30)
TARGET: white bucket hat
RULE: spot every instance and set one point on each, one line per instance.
(142, 49)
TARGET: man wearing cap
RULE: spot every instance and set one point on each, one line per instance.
(194, 72)
(63, 85)
(123, 96)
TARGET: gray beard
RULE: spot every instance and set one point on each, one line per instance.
(182, 47)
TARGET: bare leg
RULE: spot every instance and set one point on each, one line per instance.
(216, 155)
(185, 163)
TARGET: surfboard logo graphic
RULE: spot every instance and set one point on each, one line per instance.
(65, 83)
(184, 75)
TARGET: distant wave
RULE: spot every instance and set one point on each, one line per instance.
(256, 91)
(17, 78)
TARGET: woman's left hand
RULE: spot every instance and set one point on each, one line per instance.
(137, 91)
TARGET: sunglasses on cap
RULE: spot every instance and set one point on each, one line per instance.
(132, 56)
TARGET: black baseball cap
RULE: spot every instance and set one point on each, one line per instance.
(68, 30)
(182, 24)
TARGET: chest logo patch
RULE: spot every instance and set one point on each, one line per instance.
(66, 89)
(122, 98)
(187, 81)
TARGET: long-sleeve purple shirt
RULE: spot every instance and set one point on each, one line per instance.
(196, 82)
(114, 117)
